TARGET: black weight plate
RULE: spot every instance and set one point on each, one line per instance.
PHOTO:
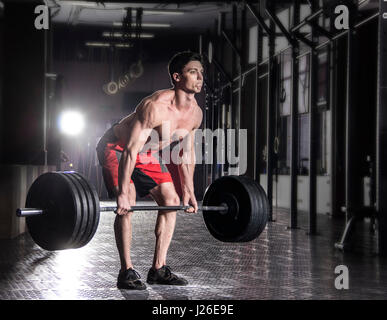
(91, 208)
(81, 212)
(241, 225)
(228, 227)
(84, 213)
(95, 213)
(256, 227)
(57, 227)
(257, 217)
(264, 205)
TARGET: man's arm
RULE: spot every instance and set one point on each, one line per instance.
(148, 116)
(187, 169)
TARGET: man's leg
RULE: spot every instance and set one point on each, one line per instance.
(128, 278)
(109, 156)
(165, 195)
(123, 233)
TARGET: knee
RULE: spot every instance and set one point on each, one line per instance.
(172, 200)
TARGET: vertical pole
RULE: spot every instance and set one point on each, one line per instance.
(257, 131)
(219, 122)
(312, 134)
(270, 116)
(59, 84)
(240, 82)
(45, 89)
(222, 125)
(235, 107)
(294, 122)
(205, 149)
(333, 120)
(215, 109)
(381, 134)
(351, 158)
(204, 177)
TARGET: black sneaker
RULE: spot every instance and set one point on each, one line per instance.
(130, 279)
(165, 276)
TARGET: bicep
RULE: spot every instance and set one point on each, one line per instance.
(146, 120)
(199, 119)
(188, 148)
(137, 135)
(192, 138)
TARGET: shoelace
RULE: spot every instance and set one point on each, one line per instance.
(128, 273)
(137, 274)
(168, 272)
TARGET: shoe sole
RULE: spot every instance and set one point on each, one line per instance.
(166, 284)
(123, 287)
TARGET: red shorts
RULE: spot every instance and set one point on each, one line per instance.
(147, 174)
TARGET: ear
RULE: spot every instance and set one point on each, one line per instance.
(176, 77)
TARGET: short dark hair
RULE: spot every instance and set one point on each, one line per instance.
(179, 60)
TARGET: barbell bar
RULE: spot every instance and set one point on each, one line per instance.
(26, 212)
(63, 210)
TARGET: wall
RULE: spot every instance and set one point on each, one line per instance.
(281, 192)
(84, 81)
(23, 91)
(15, 181)
(1, 73)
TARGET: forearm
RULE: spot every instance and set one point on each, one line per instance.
(186, 173)
(125, 170)
(187, 170)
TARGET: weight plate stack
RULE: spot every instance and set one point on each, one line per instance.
(248, 209)
(84, 213)
(59, 225)
(94, 208)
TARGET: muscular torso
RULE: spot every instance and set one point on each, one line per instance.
(176, 123)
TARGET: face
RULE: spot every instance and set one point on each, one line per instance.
(191, 77)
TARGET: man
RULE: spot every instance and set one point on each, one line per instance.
(166, 112)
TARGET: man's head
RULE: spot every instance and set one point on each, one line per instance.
(186, 71)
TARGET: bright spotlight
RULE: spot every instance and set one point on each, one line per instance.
(71, 123)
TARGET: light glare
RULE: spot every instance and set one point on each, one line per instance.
(71, 123)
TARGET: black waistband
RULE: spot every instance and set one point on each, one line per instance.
(108, 137)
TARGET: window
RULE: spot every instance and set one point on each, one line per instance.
(286, 85)
(282, 142)
(303, 144)
(303, 84)
(323, 79)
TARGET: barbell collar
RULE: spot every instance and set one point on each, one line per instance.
(27, 212)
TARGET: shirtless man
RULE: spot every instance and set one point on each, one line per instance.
(141, 171)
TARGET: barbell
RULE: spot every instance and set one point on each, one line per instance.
(63, 210)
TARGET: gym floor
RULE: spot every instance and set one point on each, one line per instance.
(280, 264)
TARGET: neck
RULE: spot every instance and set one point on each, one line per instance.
(183, 99)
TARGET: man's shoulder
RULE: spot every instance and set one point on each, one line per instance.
(155, 101)
(198, 110)
(160, 96)
(155, 104)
